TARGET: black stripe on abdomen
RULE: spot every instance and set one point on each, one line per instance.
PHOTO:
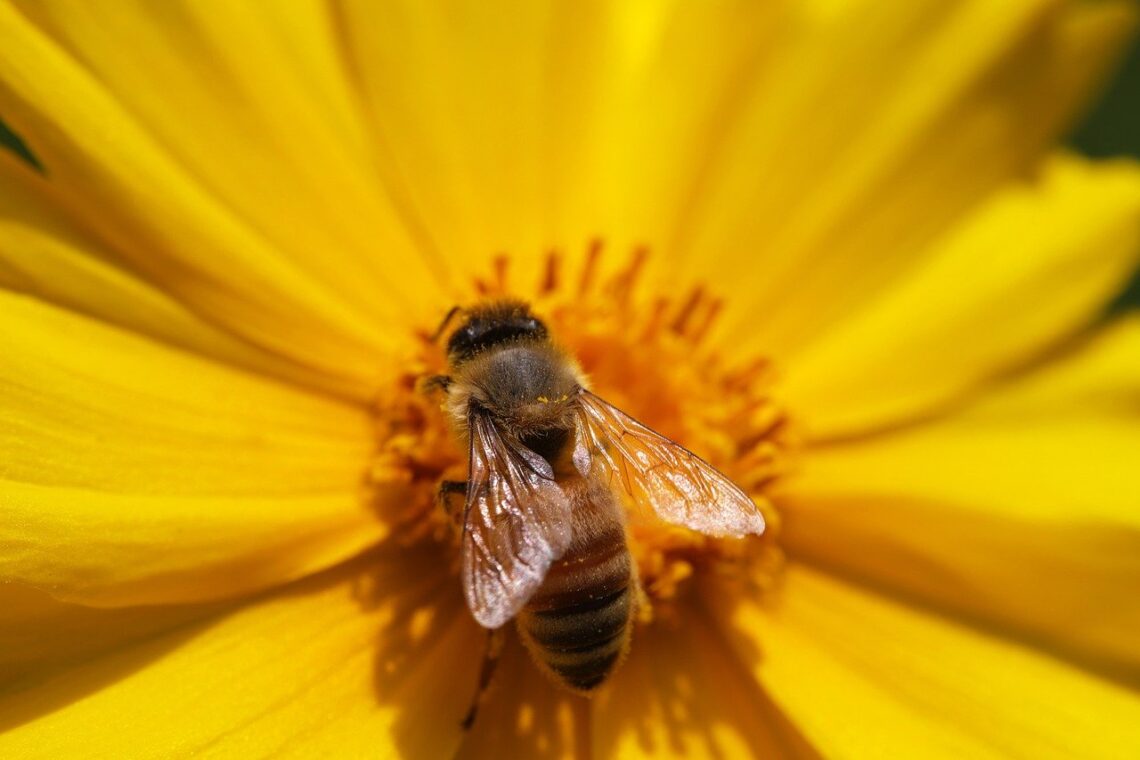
(582, 640)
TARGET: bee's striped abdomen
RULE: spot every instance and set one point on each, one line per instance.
(578, 624)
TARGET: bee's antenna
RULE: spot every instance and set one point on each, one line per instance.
(446, 321)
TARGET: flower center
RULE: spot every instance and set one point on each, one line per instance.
(648, 355)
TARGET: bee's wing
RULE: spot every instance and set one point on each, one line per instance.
(516, 522)
(681, 487)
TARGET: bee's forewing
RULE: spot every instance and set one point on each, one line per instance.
(681, 487)
(516, 523)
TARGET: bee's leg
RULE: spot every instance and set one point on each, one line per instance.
(495, 639)
(435, 383)
(452, 496)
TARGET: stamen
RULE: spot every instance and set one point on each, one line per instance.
(624, 283)
(550, 279)
(502, 265)
(656, 318)
(593, 253)
(705, 323)
(681, 322)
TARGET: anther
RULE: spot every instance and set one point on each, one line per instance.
(656, 317)
(593, 253)
(712, 311)
(623, 283)
(550, 278)
(681, 321)
(501, 265)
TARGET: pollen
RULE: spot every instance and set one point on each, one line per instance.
(648, 352)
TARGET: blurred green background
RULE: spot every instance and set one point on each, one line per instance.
(1112, 128)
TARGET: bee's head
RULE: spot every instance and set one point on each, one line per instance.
(490, 325)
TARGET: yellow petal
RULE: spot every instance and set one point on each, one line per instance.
(863, 676)
(1020, 511)
(136, 473)
(1028, 269)
(47, 254)
(364, 661)
(455, 98)
(521, 126)
(878, 125)
(41, 635)
(265, 88)
(140, 195)
(683, 694)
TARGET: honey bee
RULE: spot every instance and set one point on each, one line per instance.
(543, 530)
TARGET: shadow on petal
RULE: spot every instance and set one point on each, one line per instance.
(525, 714)
(426, 662)
(684, 693)
(427, 669)
(43, 640)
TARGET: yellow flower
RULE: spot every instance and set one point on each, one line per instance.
(869, 294)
